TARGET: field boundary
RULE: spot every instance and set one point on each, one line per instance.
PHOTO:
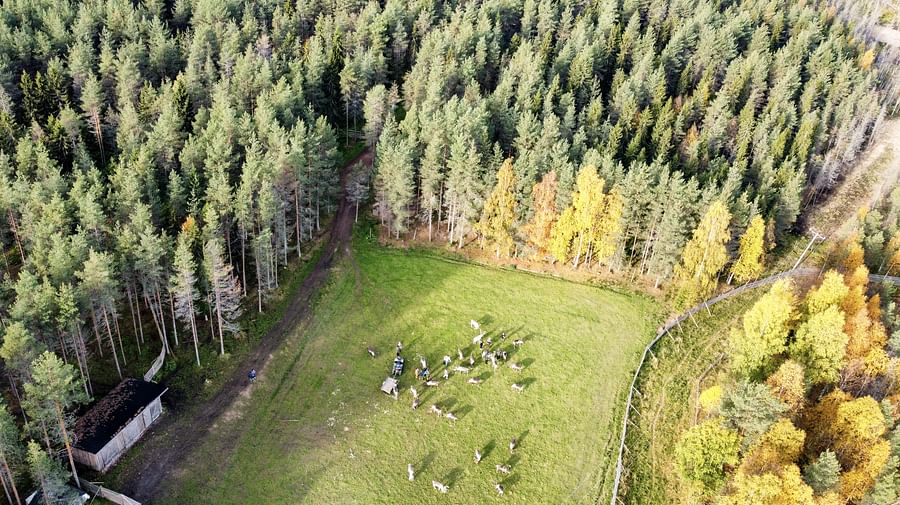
(672, 323)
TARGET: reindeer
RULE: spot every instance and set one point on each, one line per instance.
(518, 388)
(437, 410)
(416, 403)
(423, 363)
(518, 342)
(443, 488)
(446, 374)
(499, 488)
(513, 444)
(517, 367)
(370, 351)
(414, 393)
(494, 362)
(474, 324)
(477, 339)
(410, 472)
(433, 383)
(451, 416)
(460, 354)
(447, 360)
(477, 456)
(471, 361)
(474, 380)
(395, 394)
(504, 469)
(461, 369)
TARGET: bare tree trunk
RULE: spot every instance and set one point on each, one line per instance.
(194, 330)
(12, 481)
(112, 342)
(96, 331)
(174, 325)
(65, 434)
(297, 214)
(133, 319)
(14, 227)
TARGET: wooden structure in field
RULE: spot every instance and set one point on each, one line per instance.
(106, 431)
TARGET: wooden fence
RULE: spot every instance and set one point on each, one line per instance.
(157, 364)
(107, 494)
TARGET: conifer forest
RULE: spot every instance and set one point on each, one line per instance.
(170, 170)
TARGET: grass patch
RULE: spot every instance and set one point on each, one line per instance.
(667, 403)
(315, 428)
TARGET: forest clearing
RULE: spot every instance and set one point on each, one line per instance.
(314, 428)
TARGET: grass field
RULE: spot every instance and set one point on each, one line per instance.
(315, 428)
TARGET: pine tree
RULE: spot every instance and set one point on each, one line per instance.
(224, 289)
(823, 474)
(751, 252)
(184, 282)
(11, 453)
(55, 388)
(499, 213)
(49, 477)
(99, 288)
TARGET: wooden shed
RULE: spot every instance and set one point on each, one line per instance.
(106, 431)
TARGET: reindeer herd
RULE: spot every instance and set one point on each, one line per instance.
(489, 354)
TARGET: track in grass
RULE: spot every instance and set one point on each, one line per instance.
(315, 428)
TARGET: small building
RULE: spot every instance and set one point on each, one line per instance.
(109, 428)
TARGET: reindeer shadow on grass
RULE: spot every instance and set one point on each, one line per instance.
(513, 461)
(488, 448)
(527, 382)
(510, 481)
(453, 476)
(426, 462)
(462, 411)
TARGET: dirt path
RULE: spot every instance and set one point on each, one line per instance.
(167, 446)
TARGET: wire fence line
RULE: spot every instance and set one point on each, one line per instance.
(665, 329)
(671, 323)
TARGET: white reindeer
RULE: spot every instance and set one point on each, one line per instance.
(474, 380)
(499, 488)
(477, 339)
(410, 472)
(416, 403)
(518, 342)
(443, 488)
(433, 383)
(461, 369)
(474, 324)
(477, 456)
(447, 360)
(460, 354)
(504, 469)
(451, 416)
(517, 367)
(446, 374)
(414, 393)
(437, 410)
(370, 351)
(518, 388)
(512, 444)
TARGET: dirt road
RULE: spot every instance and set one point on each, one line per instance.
(167, 445)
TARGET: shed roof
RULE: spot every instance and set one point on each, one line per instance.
(103, 421)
